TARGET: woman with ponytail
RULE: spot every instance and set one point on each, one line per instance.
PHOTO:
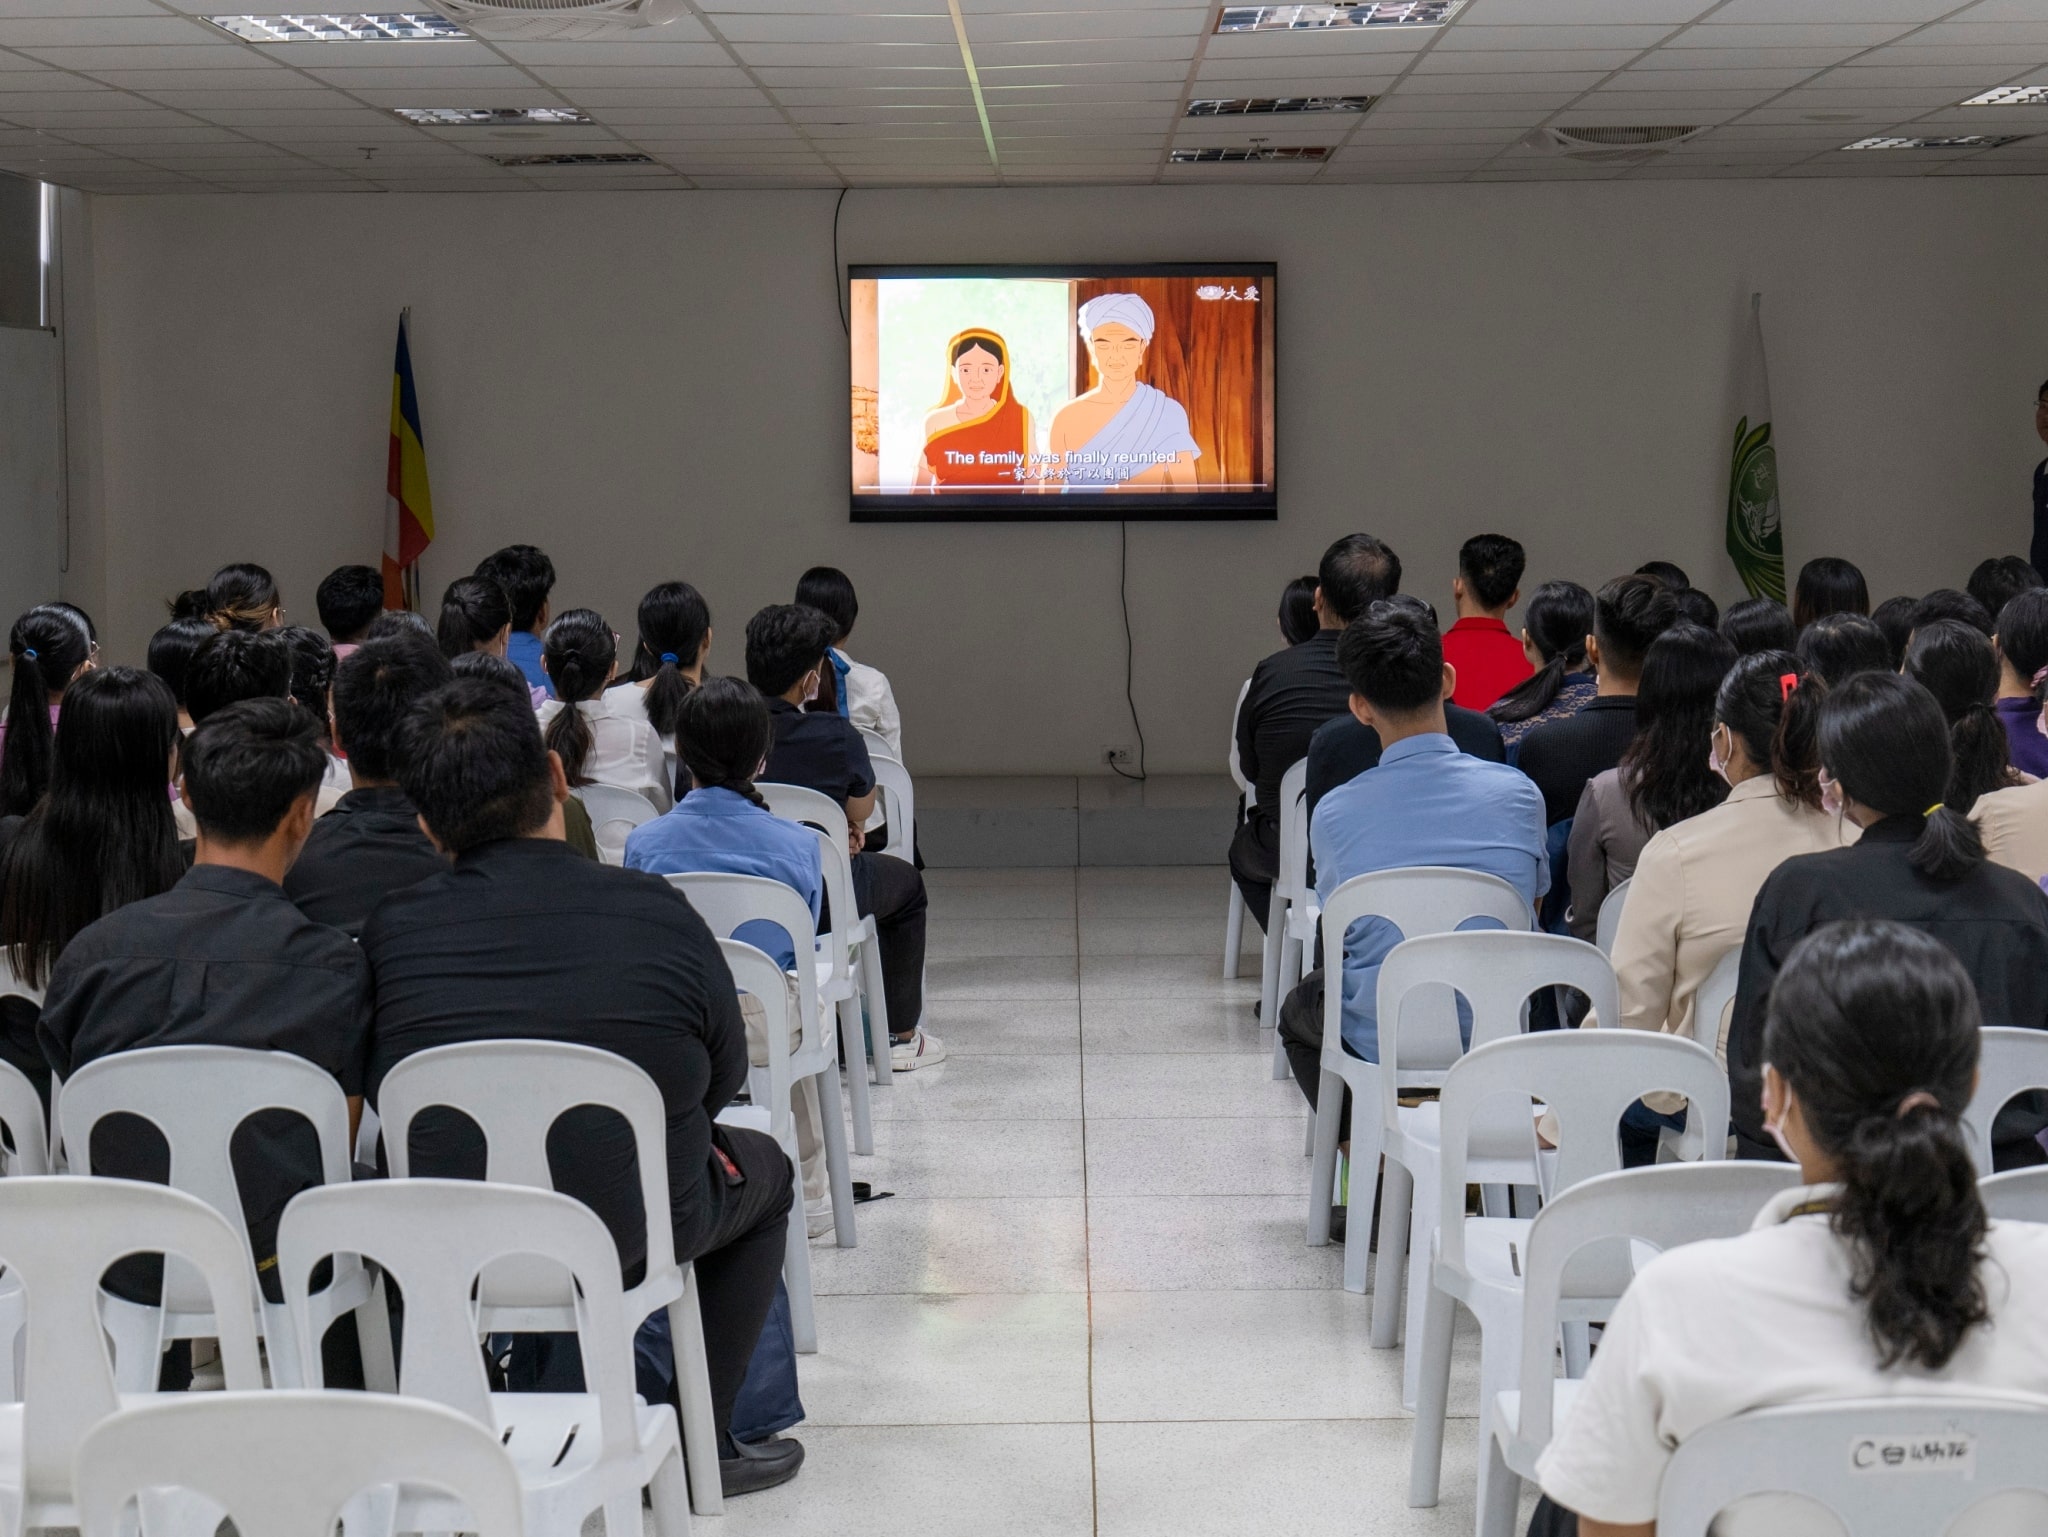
(242, 597)
(1555, 625)
(2014, 822)
(1953, 663)
(580, 655)
(1886, 766)
(2022, 642)
(675, 638)
(1879, 1276)
(49, 647)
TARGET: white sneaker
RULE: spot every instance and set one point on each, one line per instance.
(921, 1050)
(818, 1216)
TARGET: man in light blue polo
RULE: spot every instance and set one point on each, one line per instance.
(1424, 803)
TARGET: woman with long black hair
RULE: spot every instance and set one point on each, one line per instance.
(1828, 585)
(1955, 664)
(580, 654)
(51, 647)
(1881, 1275)
(1555, 625)
(668, 659)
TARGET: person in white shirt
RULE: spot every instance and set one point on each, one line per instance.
(580, 655)
(668, 662)
(1882, 1276)
(865, 697)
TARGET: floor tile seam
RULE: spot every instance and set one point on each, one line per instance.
(1087, 1232)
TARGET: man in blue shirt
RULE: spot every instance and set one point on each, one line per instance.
(528, 577)
(1425, 803)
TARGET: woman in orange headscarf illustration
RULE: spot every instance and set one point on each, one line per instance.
(979, 434)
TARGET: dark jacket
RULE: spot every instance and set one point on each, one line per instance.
(1291, 694)
(1343, 747)
(367, 847)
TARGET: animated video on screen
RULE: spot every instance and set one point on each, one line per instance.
(1059, 396)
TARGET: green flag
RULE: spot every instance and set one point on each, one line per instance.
(1755, 541)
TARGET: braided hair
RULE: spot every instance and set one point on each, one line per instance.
(722, 735)
(578, 651)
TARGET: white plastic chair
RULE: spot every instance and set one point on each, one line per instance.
(725, 903)
(1608, 923)
(896, 803)
(443, 1241)
(1233, 921)
(2009, 1062)
(514, 1091)
(21, 1114)
(58, 1234)
(197, 1097)
(1587, 1078)
(1663, 1207)
(613, 814)
(1495, 972)
(287, 1464)
(1291, 918)
(849, 957)
(2017, 1195)
(1826, 1453)
(1709, 1005)
(1426, 900)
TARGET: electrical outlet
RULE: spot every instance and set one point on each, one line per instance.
(1123, 757)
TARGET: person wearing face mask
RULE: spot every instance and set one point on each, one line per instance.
(1885, 767)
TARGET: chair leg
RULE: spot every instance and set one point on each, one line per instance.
(1281, 1071)
(1432, 1399)
(838, 1166)
(1269, 966)
(1366, 1142)
(1322, 1171)
(879, 1024)
(669, 1493)
(1422, 1225)
(1397, 1196)
(1500, 1492)
(854, 1050)
(1233, 933)
(373, 1329)
(622, 1514)
(693, 1390)
(138, 1335)
(1578, 1348)
(281, 1348)
(796, 1276)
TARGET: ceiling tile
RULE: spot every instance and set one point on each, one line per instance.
(771, 27)
(599, 52)
(1714, 33)
(1122, 21)
(20, 29)
(1486, 13)
(95, 60)
(1910, 11)
(154, 80)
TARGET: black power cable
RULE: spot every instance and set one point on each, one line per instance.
(838, 273)
(1123, 590)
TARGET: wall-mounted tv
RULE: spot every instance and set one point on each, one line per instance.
(1050, 394)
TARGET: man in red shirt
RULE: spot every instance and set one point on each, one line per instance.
(1489, 659)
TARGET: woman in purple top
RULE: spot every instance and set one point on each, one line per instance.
(2022, 641)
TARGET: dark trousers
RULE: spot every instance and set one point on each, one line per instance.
(892, 892)
(1255, 865)
(1301, 1033)
(740, 1261)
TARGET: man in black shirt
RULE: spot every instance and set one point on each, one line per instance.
(236, 664)
(370, 844)
(1292, 692)
(523, 939)
(224, 959)
(820, 750)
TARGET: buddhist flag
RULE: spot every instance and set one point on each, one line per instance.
(1755, 541)
(409, 518)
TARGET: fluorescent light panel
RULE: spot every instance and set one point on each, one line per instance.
(1260, 105)
(1954, 141)
(1358, 13)
(1255, 153)
(488, 117)
(340, 27)
(531, 160)
(2011, 96)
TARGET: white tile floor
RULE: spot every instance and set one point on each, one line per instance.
(1088, 1308)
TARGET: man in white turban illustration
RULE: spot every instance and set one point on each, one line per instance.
(1123, 434)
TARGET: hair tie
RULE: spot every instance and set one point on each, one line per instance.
(1918, 1099)
(1787, 681)
(29, 652)
(669, 657)
(1932, 809)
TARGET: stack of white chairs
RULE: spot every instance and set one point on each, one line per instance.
(1709, 1005)
(613, 814)
(2009, 1063)
(1608, 924)
(25, 1151)
(1291, 919)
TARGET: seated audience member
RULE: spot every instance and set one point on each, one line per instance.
(223, 959)
(102, 838)
(1997, 581)
(1696, 880)
(398, 621)
(2022, 665)
(170, 653)
(528, 576)
(370, 844)
(1696, 607)
(1894, 616)
(1426, 803)
(1488, 660)
(1344, 747)
(244, 597)
(1298, 620)
(2014, 826)
(1672, 576)
(724, 826)
(1947, 603)
(863, 694)
(581, 656)
(1758, 624)
(1554, 630)
(349, 599)
(668, 661)
(786, 646)
(1664, 775)
(630, 968)
(1880, 1277)
(234, 665)
(1630, 612)
(475, 616)
(49, 648)
(1835, 647)
(1291, 693)
(1959, 668)
(578, 830)
(1828, 585)
(312, 676)
(1885, 761)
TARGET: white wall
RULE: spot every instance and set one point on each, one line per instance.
(653, 385)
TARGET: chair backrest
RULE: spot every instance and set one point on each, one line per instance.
(1292, 883)
(1245, 787)
(1428, 899)
(58, 1235)
(2017, 1195)
(284, 1464)
(515, 1091)
(827, 818)
(613, 814)
(1665, 1206)
(726, 903)
(1711, 1002)
(1878, 1464)
(1608, 924)
(435, 1237)
(197, 1096)
(2009, 1062)
(1587, 1078)
(21, 1112)
(899, 801)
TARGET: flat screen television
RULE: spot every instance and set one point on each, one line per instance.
(1054, 394)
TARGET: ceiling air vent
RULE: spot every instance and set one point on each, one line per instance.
(1344, 13)
(1257, 106)
(516, 161)
(1256, 152)
(1953, 141)
(561, 20)
(1620, 145)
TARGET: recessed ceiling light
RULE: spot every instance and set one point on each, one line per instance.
(1955, 141)
(488, 117)
(1357, 13)
(1256, 105)
(339, 27)
(2011, 96)
(531, 160)
(1256, 152)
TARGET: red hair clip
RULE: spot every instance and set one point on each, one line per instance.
(1787, 681)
